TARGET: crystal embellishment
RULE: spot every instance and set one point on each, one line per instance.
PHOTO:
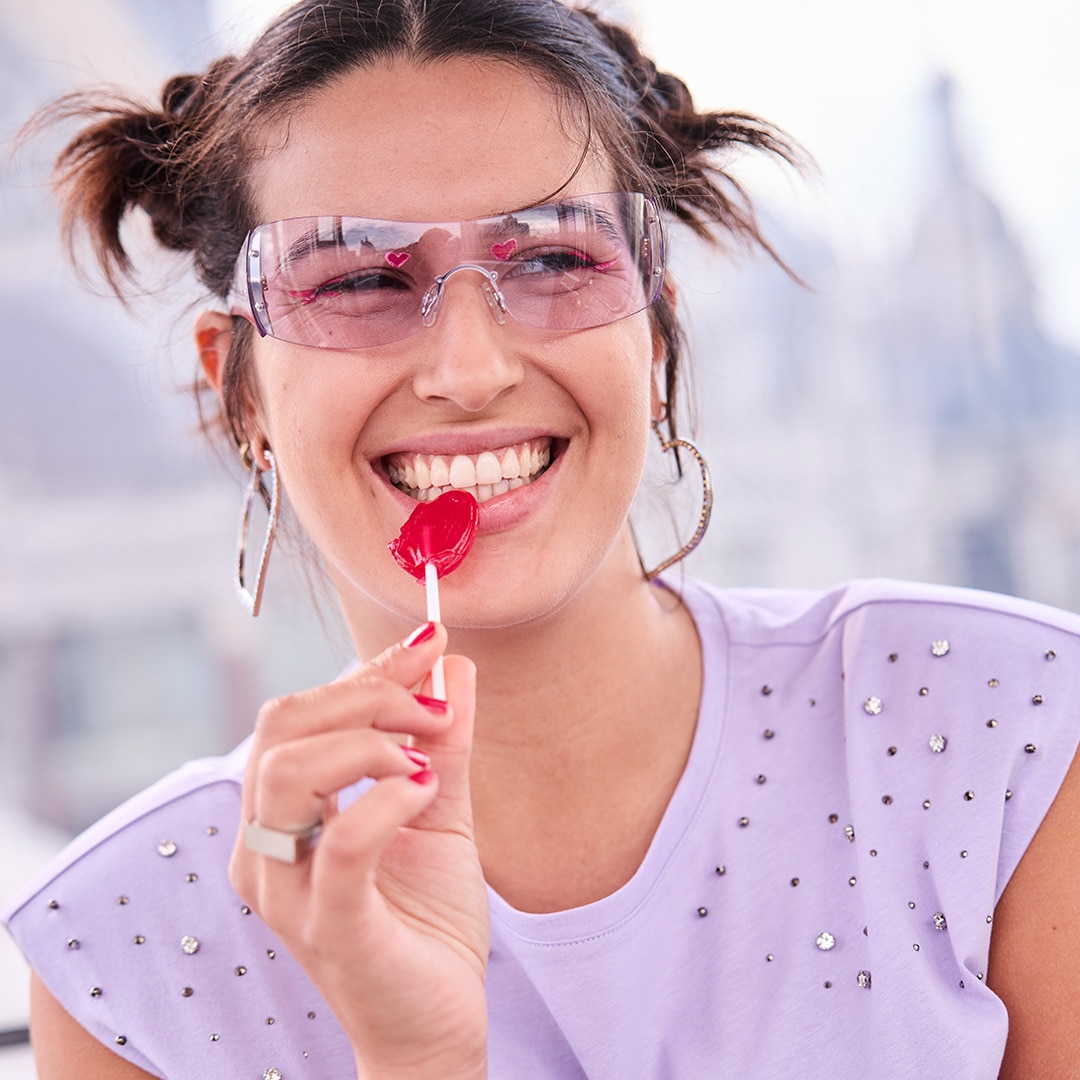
(872, 706)
(272, 1074)
(940, 648)
(940, 922)
(863, 979)
(825, 941)
(938, 743)
(166, 848)
(189, 944)
(849, 832)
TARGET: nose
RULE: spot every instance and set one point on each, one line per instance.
(468, 358)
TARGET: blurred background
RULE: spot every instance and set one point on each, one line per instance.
(914, 413)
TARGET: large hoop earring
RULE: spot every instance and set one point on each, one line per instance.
(252, 598)
(706, 497)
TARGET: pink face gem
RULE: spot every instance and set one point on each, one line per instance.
(502, 250)
(397, 259)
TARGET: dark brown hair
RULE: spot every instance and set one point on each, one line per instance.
(184, 164)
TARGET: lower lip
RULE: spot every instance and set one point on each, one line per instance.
(502, 511)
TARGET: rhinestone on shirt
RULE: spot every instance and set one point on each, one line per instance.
(166, 848)
(939, 921)
(191, 878)
(849, 832)
(272, 1074)
(863, 979)
(887, 800)
(872, 706)
(123, 901)
(992, 683)
(1030, 748)
(923, 691)
(940, 648)
(241, 970)
(1050, 654)
(703, 911)
(121, 1040)
(991, 723)
(1037, 699)
(938, 743)
(186, 992)
(73, 943)
(189, 944)
(95, 991)
(825, 941)
(139, 939)
(743, 822)
(969, 795)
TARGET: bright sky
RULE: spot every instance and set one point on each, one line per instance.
(851, 80)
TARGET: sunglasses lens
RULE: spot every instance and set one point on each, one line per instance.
(354, 283)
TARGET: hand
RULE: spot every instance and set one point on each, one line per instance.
(388, 914)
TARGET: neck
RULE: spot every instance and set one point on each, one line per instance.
(584, 722)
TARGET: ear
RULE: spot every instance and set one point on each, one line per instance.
(213, 338)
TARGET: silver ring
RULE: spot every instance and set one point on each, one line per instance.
(286, 847)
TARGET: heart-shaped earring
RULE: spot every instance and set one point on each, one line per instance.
(706, 499)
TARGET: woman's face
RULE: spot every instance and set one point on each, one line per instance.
(451, 141)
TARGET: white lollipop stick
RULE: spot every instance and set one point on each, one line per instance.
(431, 590)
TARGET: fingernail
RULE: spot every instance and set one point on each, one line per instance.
(432, 704)
(424, 777)
(420, 635)
(417, 757)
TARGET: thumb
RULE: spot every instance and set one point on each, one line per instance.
(451, 748)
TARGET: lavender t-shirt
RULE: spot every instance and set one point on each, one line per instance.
(868, 768)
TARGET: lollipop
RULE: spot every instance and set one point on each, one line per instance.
(434, 540)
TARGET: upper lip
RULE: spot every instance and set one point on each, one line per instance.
(464, 442)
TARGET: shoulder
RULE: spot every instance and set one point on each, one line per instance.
(207, 786)
(106, 920)
(868, 607)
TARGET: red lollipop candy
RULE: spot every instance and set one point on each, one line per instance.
(433, 541)
(439, 532)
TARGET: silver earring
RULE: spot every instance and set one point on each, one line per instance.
(706, 498)
(252, 598)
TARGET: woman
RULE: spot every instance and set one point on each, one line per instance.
(655, 829)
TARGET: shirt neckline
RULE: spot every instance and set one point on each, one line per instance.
(606, 914)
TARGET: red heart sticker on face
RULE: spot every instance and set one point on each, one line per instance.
(440, 532)
(397, 259)
(504, 249)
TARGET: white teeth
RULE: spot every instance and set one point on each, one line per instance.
(488, 469)
(440, 473)
(462, 472)
(485, 475)
(511, 467)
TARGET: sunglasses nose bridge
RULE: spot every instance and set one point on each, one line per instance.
(432, 301)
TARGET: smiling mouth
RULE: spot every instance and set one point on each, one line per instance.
(425, 477)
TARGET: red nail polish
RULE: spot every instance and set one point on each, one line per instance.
(432, 704)
(417, 757)
(424, 777)
(420, 635)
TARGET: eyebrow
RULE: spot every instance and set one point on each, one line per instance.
(327, 232)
